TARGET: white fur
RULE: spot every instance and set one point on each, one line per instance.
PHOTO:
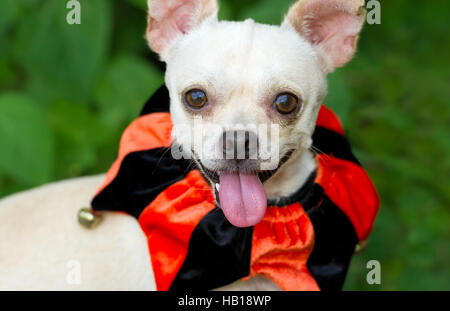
(40, 237)
(243, 66)
(243, 75)
(291, 176)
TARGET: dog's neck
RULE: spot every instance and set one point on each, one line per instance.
(291, 176)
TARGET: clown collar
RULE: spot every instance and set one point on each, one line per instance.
(304, 242)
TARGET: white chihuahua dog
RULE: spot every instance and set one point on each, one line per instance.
(236, 75)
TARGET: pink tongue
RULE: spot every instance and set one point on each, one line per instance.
(242, 198)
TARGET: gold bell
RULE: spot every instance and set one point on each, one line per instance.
(361, 246)
(88, 218)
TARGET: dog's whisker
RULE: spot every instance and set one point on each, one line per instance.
(167, 149)
(189, 166)
(319, 152)
(314, 151)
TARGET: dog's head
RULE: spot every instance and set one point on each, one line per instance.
(245, 96)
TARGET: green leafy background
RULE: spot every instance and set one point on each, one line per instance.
(68, 91)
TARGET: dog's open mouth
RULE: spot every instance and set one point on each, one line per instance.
(242, 198)
(241, 194)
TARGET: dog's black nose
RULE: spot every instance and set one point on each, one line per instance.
(240, 145)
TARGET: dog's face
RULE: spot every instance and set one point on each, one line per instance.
(245, 96)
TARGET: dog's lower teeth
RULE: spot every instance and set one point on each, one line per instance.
(217, 187)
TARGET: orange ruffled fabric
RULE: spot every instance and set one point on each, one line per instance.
(351, 189)
(282, 243)
(147, 132)
(168, 223)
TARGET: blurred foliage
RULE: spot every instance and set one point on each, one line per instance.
(68, 91)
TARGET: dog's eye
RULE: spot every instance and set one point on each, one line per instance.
(286, 103)
(195, 99)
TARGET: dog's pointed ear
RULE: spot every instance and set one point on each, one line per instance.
(170, 19)
(331, 26)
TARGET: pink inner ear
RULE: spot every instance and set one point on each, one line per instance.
(337, 35)
(334, 28)
(184, 18)
(170, 18)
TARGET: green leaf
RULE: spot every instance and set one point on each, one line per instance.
(65, 57)
(79, 134)
(267, 11)
(225, 10)
(339, 96)
(140, 4)
(129, 32)
(26, 144)
(126, 87)
(8, 13)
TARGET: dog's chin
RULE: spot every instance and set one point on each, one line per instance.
(239, 189)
